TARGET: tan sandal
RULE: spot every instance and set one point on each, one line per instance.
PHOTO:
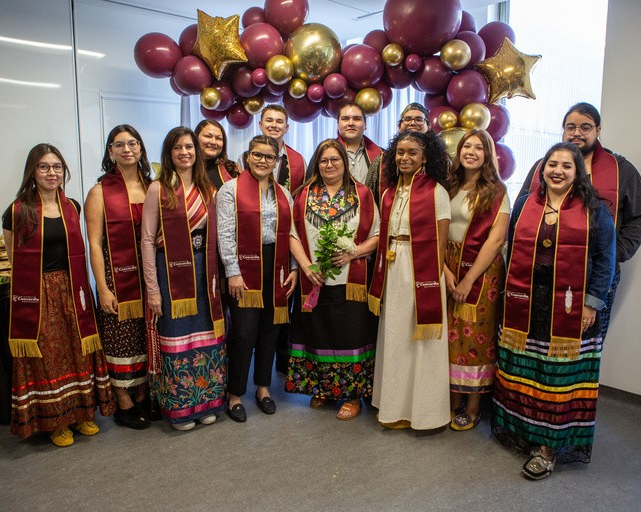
(349, 411)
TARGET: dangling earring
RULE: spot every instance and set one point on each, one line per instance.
(113, 160)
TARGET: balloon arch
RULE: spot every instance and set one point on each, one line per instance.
(432, 45)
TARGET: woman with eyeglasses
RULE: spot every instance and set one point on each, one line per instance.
(212, 142)
(60, 374)
(332, 345)
(180, 261)
(113, 211)
(254, 222)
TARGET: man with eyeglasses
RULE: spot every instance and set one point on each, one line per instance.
(616, 181)
(413, 118)
(290, 168)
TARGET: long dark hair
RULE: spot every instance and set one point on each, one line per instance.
(436, 160)
(109, 166)
(316, 176)
(168, 170)
(488, 183)
(222, 158)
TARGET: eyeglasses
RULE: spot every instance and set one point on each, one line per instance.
(44, 168)
(417, 120)
(334, 160)
(270, 159)
(119, 146)
(584, 128)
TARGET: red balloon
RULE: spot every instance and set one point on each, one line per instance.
(242, 83)
(277, 90)
(506, 161)
(466, 87)
(301, 110)
(386, 93)
(212, 115)
(335, 85)
(421, 26)
(316, 93)
(499, 121)
(286, 15)
(259, 77)
(253, 15)
(333, 105)
(156, 54)
(377, 39)
(476, 44)
(187, 39)
(175, 88)
(192, 75)
(434, 100)
(493, 35)
(362, 66)
(437, 111)
(467, 22)
(433, 77)
(397, 77)
(261, 41)
(227, 95)
(238, 117)
(413, 62)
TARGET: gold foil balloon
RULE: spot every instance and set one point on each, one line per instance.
(297, 88)
(451, 137)
(370, 100)
(210, 98)
(279, 69)
(475, 116)
(447, 120)
(392, 54)
(456, 54)
(508, 72)
(315, 51)
(254, 105)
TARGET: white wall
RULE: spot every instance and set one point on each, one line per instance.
(620, 114)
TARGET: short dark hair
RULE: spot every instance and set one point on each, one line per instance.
(275, 107)
(351, 104)
(585, 109)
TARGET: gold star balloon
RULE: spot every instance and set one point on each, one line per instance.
(218, 43)
(508, 72)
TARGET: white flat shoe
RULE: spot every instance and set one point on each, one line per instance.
(207, 420)
(184, 426)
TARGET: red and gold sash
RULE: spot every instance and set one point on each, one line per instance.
(223, 173)
(425, 257)
(570, 267)
(26, 291)
(383, 185)
(250, 247)
(476, 235)
(296, 168)
(356, 288)
(122, 246)
(604, 176)
(371, 149)
(179, 256)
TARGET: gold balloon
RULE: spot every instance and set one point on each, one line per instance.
(370, 100)
(451, 138)
(315, 51)
(210, 98)
(475, 116)
(279, 69)
(447, 119)
(456, 54)
(218, 43)
(508, 72)
(393, 54)
(297, 88)
(254, 105)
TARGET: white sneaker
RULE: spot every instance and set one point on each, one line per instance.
(207, 420)
(184, 426)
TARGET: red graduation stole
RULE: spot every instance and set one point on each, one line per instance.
(477, 232)
(179, 259)
(371, 149)
(296, 168)
(26, 291)
(223, 173)
(569, 278)
(121, 243)
(250, 246)
(383, 185)
(356, 288)
(425, 257)
(604, 176)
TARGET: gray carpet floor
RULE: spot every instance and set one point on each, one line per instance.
(305, 460)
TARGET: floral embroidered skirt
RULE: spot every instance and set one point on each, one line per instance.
(192, 383)
(63, 386)
(332, 348)
(472, 345)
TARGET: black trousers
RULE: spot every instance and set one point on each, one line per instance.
(253, 332)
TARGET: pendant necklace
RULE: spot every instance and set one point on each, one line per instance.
(547, 242)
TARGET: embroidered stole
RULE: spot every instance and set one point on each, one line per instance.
(425, 257)
(26, 289)
(570, 267)
(476, 235)
(121, 244)
(250, 246)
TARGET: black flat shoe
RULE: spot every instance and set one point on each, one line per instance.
(131, 418)
(237, 413)
(266, 405)
(150, 408)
